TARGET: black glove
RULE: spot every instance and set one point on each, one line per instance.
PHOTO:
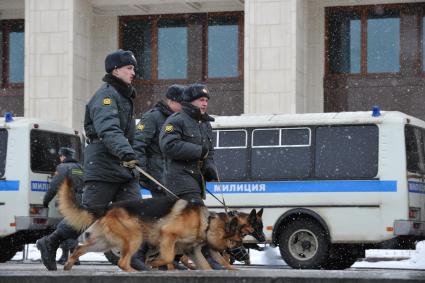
(205, 150)
(131, 164)
(45, 204)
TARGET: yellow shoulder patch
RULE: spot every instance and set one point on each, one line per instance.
(107, 101)
(169, 128)
(141, 127)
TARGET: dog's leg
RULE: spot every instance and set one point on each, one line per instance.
(185, 260)
(78, 251)
(199, 259)
(167, 250)
(218, 258)
(129, 248)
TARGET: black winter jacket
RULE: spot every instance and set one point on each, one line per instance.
(183, 140)
(146, 143)
(109, 125)
(68, 168)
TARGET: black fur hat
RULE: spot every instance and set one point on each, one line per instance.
(195, 91)
(119, 59)
(175, 92)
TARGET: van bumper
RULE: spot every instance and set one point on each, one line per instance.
(35, 223)
(409, 227)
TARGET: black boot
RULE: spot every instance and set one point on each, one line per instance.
(47, 247)
(214, 264)
(64, 256)
(138, 259)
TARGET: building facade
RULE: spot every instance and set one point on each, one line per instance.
(256, 56)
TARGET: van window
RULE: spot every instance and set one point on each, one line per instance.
(3, 151)
(346, 151)
(289, 158)
(230, 154)
(45, 146)
(265, 137)
(415, 149)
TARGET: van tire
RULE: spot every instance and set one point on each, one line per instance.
(304, 244)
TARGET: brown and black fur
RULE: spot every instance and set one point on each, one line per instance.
(172, 226)
(228, 231)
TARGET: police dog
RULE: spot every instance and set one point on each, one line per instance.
(171, 225)
(219, 242)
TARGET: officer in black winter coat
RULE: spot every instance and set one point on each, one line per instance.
(109, 159)
(70, 168)
(186, 142)
(146, 141)
(109, 125)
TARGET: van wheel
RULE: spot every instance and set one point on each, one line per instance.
(112, 256)
(341, 257)
(304, 244)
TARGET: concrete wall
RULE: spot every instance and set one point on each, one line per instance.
(104, 33)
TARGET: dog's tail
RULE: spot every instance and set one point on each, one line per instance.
(76, 216)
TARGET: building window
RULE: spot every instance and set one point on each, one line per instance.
(172, 49)
(344, 42)
(185, 47)
(383, 41)
(137, 36)
(223, 47)
(363, 40)
(12, 52)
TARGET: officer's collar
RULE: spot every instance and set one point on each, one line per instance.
(120, 86)
(164, 108)
(195, 112)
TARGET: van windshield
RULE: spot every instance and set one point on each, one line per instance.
(415, 149)
(3, 151)
(45, 146)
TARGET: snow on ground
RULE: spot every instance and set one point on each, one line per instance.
(271, 256)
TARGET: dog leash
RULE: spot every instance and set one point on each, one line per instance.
(156, 182)
(222, 196)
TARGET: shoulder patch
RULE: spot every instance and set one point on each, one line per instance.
(141, 127)
(107, 101)
(169, 128)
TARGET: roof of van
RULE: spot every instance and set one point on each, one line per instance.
(42, 124)
(359, 117)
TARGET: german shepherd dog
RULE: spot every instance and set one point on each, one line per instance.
(247, 224)
(171, 225)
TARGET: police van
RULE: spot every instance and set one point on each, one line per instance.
(28, 159)
(331, 184)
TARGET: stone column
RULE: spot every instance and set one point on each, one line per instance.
(57, 50)
(271, 56)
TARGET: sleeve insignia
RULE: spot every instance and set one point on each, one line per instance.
(141, 127)
(169, 128)
(107, 101)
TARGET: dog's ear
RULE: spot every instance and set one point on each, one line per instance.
(252, 216)
(260, 213)
(232, 227)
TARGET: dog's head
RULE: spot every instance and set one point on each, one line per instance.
(251, 224)
(233, 236)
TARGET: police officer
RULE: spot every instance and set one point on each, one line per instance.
(69, 167)
(146, 144)
(186, 142)
(109, 158)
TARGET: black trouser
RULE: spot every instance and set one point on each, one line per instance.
(97, 195)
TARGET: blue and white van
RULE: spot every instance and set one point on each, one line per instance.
(28, 158)
(331, 184)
